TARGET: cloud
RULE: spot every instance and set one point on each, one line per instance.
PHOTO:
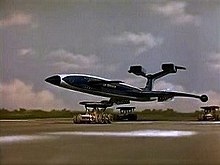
(139, 82)
(176, 11)
(214, 61)
(163, 85)
(65, 61)
(18, 18)
(158, 85)
(18, 94)
(26, 52)
(143, 41)
(214, 97)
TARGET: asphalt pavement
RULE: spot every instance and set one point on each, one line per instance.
(58, 141)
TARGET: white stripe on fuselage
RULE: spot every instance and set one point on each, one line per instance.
(100, 78)
(104, 94)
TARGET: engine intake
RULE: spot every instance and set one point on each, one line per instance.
(169, 68)
(137, 70)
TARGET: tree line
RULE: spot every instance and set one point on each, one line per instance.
(148, 114)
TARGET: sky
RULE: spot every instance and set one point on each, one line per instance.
(39, 38)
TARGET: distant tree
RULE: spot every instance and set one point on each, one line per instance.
(22, 110)
(15, 110)
(3, 110)
(169, 110)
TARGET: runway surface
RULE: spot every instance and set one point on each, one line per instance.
(58, 141)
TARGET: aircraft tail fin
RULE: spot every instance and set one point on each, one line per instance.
(166, 69)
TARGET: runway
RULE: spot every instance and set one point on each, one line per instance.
(58, 141)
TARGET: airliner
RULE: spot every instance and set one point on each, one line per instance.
(118, 91)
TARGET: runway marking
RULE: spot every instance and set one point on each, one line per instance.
(23, 138)
(141, 133)
(204, 122)
(13, 120)
(53, 135)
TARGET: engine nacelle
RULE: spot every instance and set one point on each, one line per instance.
(171, 68)
(165, 98)
(137, 70)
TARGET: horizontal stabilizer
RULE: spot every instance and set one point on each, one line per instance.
(166, 69)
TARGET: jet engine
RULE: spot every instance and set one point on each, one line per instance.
(137, 70)
(171, 68)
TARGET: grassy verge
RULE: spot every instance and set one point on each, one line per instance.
(35, 114)
(163, 115)
(160, 115)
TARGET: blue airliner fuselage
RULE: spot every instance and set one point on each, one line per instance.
(113, 89)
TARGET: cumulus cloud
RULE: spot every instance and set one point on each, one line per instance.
(26, 52)
(18, 94)
(142, 41)
(158, 85)
(163, 85)
(63, 60)
(18, 18)
(214, 97)
(176, 11)
(139, 82)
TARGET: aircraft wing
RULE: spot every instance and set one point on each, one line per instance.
(105, 103)
(165, 95)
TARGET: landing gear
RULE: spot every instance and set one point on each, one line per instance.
(126, 114)
(94, 114)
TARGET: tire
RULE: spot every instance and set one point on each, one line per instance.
(217, 118)
(75, 120)
(109, 119)
(78, 119)
(100, 119)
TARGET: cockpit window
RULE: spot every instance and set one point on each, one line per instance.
(69, 79)
(74, 80)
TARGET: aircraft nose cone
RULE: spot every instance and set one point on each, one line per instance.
(55, 80)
